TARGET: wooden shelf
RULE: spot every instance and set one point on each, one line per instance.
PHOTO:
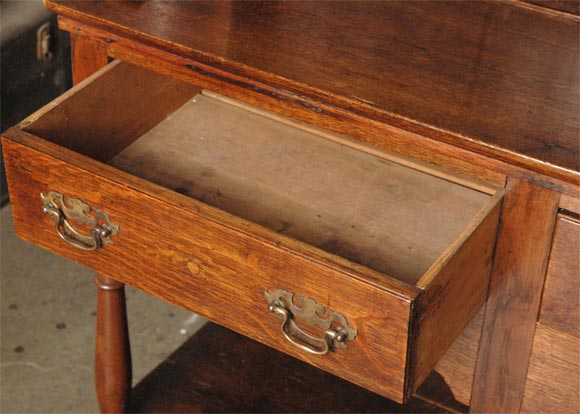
(219, 371)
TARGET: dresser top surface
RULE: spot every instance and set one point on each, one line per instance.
(493, 76)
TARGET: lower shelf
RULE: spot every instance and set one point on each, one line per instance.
(219, 371)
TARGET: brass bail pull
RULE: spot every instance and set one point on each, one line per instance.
(61, 212)
(334, 325)
(303, 340)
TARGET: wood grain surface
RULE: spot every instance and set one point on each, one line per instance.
(218, 371)
(417, 70)
(553, 383)
(525, 235)
(561, 299)
(213, 264)
(565, 6)
(87, 56)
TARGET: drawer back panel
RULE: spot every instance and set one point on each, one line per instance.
(99, 119)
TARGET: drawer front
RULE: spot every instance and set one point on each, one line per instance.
(553, 381)
(167, 248)
(561, 299)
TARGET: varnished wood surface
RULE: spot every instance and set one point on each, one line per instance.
(553, 383)
(416, 69)
(218, 371)
(565, 6)
(112, 351)
(561, 299)
(525, 236)
(87, 56)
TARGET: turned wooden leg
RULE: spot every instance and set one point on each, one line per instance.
(112, 354)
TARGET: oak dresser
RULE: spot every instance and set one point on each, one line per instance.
(387, 191)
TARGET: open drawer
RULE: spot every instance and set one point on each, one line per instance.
(359, 265)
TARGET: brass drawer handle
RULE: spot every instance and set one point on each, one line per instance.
(101, 227)
(286, 306)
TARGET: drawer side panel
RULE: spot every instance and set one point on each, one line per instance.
(450, 382)
(455, 294)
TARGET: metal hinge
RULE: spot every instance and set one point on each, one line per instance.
(43, 51)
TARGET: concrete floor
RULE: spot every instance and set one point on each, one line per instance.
(48, 307)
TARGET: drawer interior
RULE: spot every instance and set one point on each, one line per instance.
(369, 210)
(294, 180)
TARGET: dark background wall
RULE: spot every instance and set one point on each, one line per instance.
(27, 81)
